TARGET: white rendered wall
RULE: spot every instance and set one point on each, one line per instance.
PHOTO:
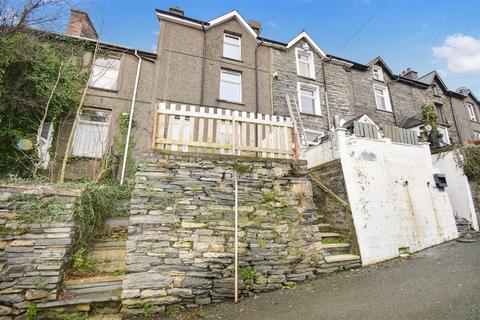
(393, 197)
(458, 189)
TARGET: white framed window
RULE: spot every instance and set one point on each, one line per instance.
(435, 90)
(471, 112)
(230, 86)
(382, 98)
(476, 135)
(232, 46)
(44, 142)
(445, 135)
(309, 99)
(105, 73)
(377, 72)
(314, 137)
(440, 113)
(91, 134)
(305, 65)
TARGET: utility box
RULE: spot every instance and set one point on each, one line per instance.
(440, 180)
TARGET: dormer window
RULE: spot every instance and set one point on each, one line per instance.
(305, 66)
(435, 90)
(377, 73)
(232, 46)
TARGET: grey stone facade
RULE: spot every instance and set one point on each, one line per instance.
(33, 255)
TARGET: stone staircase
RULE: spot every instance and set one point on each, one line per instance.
(337, 250)
(98, 291)
(463, 226)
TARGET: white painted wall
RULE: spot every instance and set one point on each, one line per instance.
(324, 152)
(393, 197)
(458, 189)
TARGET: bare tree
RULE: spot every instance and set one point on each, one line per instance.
(40, 14)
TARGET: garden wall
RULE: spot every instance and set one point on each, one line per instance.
(180, 247)
(36, 234)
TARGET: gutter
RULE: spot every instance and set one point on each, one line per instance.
(256, 90)
(455, 120)
(326, 93)
(202, 87)
(130, 120)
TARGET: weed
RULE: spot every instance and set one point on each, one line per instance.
(31, 311)
(241, 169)
(77, 316)
(172, 309)
(194, 188)
(288, 285)
(201, 313)
(81, 262)
(261, 243)
(116, 273)
(248, 274)
(41, 286)
(147, 309)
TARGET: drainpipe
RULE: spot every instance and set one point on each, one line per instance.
(202, 89)
(455, 120)
(256, 90)
(326, 93)
(130, 120)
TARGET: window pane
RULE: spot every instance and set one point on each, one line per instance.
(90, 138)
(230, 91)
(231, 76)
(308, 104)
(230, 51)
(380, 102)
(304, 69)
(104, 76)
(379, 92)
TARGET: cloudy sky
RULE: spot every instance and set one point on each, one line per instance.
(424, 35)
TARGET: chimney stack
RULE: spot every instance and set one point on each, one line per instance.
(176, 10)
(410, 74)
(80, 25)
(256, 26)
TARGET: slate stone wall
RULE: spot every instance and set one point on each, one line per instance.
(180, 247)
(475, 188)
(32, 255)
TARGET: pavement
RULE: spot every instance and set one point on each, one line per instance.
(438, 283)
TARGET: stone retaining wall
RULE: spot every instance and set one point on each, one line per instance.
(475, 188)
(180, 247)
(32, 254)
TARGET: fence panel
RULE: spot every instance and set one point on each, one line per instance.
(191, 128)
(400, 135)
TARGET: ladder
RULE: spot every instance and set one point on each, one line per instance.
(297, 120)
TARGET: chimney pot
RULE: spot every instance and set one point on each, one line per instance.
(80, 25)
(256, 26)
(176, 10)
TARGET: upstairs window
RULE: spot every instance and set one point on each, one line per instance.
(314, 137)
(440, 114)
(382, 98)
(471, 112)
(231, 86)
(435, 90)
(305, 66)
(476, 135)
(309, 99)
(377, 73)
(91, 134)
(232, 46)
(105, 73)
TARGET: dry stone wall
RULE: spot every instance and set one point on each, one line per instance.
(33, 252)
(180, 247)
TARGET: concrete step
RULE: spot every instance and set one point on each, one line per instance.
(81, 299)
(336, 248)
(324, 226)
(92, 280)
(329, 234)
(111, 287)
(107, 254)
(342, 258)
(117, 222)
(109, 245)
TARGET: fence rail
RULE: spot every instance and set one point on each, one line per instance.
(190, 128)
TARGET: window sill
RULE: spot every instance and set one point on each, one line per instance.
(446, 125)
(102, 89)
(311, 114)
(232, 102)
(388, 111)
(474, 121)
(379, 80)
(305, 77)
(232, 59)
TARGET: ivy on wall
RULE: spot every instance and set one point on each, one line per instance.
(40, 77)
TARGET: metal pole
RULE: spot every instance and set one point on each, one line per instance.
(236, 236)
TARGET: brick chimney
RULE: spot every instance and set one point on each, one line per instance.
(410, 74)
(256, 26)
(176, 10)
(80, 25)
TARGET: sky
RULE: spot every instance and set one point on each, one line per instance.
(424, 35)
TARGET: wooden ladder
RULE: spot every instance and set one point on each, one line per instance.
(297, 120)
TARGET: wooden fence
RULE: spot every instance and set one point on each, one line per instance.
(400, 135)
(367, 130)
(214, 130)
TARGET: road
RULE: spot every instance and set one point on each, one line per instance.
(439, 283)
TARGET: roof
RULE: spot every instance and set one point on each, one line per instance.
(464, 92)
(379, 60)
(311, 42)
(354, 64)
(429, 77)
(411, 122)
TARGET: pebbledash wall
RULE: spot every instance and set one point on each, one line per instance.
(180, 246)
(394, 201)
(33, 255)
(458, 190)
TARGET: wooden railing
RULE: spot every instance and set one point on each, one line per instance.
(197, 129)
(400, 135)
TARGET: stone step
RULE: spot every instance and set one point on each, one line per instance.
(107, 254)
(81, 299)
(336, 248)
(329, 234)
(117, 222)
(342, 258)
(323, 226)
(108, 245)
(92, 280)
(113, 287)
